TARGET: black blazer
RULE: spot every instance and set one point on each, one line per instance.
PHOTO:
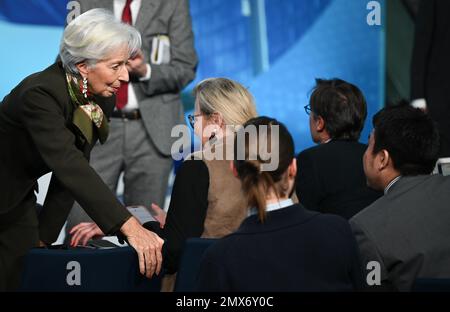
(37, 136)
(294, 250)
(430, 65)
(331, 179)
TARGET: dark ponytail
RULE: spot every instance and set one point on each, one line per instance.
(257, 183)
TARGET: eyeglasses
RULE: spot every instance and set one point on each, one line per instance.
(192, 119)
(307, 109)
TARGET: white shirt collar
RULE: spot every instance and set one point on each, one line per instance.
(272, 207)
(386, 189)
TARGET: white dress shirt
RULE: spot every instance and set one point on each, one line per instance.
(388, 187)
(135, 5)
(272, 207)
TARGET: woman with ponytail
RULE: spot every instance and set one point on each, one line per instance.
(280, 246)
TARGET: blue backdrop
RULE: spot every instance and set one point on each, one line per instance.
(305, 39)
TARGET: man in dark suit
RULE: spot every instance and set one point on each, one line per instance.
(140, 141)
(430, 66)
(49, 123)
(405, 234)
(330, 178)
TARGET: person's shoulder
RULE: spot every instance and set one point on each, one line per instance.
(332, 146)
(329, 227)
(51, 80)
(54, 72)
(221, 248)
(319, 153)
(309, 155)
(348, 151)
(358, 146)
(311, 150)
(331, 220)
(438, 179)
(346, 146)
(300, 216)
(49, 83)
(444, 179)
(433, 186)
(373, 215)
(193, 166)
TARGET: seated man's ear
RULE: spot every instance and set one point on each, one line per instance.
(383, 159)
(319, 123)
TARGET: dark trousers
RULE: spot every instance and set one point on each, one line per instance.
(17, 237)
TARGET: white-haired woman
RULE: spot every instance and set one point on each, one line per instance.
(49, 123)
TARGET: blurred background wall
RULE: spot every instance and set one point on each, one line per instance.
(274, 47)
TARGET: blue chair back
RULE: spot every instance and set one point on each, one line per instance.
(84, 269)
(432, 285)
(193, 251)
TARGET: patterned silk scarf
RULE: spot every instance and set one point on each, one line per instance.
(88, 113)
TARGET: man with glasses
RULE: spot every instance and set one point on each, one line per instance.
(330, 178)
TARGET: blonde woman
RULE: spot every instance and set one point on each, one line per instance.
(206, 198)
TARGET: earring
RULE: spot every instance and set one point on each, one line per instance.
(213, 138)
(84, 91)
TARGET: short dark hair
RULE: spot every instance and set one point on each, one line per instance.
(342, 106)
(410, 136)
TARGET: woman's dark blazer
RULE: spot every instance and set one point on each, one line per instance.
(293, 250)
(37, 136)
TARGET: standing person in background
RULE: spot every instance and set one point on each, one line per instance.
(150, 105)
(430, 66)
(331, 177)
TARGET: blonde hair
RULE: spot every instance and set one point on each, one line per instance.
(228, 98)
(92, 36)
